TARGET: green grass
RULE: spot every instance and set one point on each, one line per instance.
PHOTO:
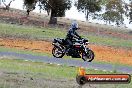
(42, 70)
(109, 41)
(28, 32)
(48, 70)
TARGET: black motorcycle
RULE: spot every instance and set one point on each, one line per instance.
(78, 49)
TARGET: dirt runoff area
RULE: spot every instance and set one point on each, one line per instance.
(102, 53)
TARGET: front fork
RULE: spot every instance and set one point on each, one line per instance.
(85, 49)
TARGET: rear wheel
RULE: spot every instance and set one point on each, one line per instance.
(89, 56)
(57, 52)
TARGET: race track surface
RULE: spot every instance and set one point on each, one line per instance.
(69, 62)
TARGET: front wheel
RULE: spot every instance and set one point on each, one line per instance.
(89, 56)
(57, 52)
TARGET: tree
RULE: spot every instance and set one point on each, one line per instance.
(130, 11)
(45, 5)
(114, 12)
(30, 5)
(56, 7)
(89, 7)
(8, 5)
(2, 1)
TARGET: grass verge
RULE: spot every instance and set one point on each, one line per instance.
(48, 70)
(17, 31)
(18, 72)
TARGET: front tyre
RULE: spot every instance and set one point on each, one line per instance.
(57, 52)
(89, 56)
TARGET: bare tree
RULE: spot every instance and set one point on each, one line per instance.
(7, 6)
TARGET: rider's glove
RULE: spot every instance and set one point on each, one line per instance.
(80, 37)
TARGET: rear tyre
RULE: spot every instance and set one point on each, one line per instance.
(57, 52)
(89, 56)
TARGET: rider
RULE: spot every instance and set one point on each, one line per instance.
(72, 34)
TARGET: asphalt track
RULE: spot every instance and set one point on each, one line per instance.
(68, 62)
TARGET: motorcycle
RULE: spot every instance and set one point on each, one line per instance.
(78, 49)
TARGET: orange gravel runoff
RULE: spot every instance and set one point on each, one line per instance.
(103, 53)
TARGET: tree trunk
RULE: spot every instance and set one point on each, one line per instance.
(87, 15)
(53, 17)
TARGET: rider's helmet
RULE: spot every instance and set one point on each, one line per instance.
(74, 25)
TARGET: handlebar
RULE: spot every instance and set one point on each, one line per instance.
(80, 40)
